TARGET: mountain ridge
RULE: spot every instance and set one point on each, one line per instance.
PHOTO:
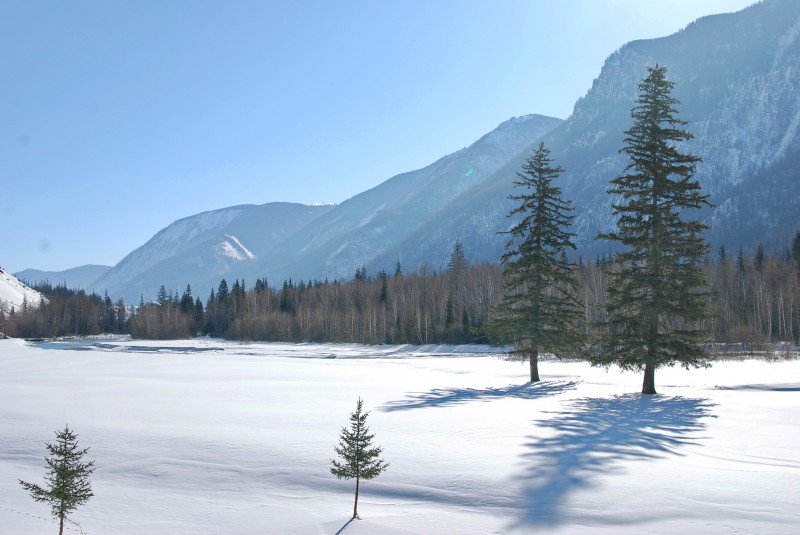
(735, 76)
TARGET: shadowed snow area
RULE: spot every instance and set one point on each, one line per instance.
(596, 436)
(441, 397)
(794, 387)
(207, 437)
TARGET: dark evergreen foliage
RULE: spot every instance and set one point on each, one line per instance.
(162, 296)
(458, 260)
(358, 458)
(795, 251)
(539, 311)
(68, 485)
(758, 260)
(187, 302)
(384, 278)
(361, 274)
(657, 278)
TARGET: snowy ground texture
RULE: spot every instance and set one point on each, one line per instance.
(238, 439)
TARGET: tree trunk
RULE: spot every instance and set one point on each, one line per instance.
(355, 505)
(649, 384)
(534, 364)
(61, 524)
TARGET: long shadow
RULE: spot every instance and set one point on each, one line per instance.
(341, 530)
(593, 439)
(763, 387)
(441, 397)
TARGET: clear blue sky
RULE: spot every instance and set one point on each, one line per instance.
(119, 117)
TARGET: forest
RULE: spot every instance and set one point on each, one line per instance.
(755, 301)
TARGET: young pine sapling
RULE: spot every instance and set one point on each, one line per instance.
(67, 477)
(358, 458)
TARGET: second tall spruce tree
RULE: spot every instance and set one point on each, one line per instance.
(539, 311)
(656, 299)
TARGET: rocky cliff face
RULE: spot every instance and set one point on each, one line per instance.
(737, 77)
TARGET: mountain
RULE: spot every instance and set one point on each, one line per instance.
(363, 228)
(735, 75)
(13, 293)
(282, 240)
(80, 277)
(201, 250)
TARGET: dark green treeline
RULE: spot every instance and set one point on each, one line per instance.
(756, 301)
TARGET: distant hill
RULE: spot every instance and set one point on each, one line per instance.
(201, 250)
(81, 277)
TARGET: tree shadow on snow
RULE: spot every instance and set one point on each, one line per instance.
(593, 439)
(341, 530)
(442, 397)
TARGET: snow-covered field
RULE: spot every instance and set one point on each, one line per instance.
(237, 439)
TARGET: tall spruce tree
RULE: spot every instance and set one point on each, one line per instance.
(539, 312)
(67, 478)
(359, 460)
(656, 290)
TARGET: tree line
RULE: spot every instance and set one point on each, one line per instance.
(755, 301)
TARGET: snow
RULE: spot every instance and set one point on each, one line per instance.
(234, 249)
(209, 437)
(13, 292)
(371, 215)
(244, 249)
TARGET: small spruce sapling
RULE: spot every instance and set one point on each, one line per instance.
(67, 477)
(359, 459)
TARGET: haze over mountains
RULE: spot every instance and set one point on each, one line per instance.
(736, 77)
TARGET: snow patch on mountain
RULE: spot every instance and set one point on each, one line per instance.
(186, 229)
(13, 292)
(785, 42)
(234, 249)
(371, 215)
(169, 242)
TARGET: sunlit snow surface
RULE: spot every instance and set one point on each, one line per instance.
(213, 437)
(13, 292)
